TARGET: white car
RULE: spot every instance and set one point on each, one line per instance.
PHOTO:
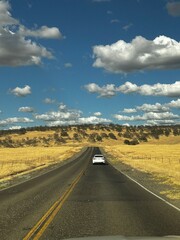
(98, 158)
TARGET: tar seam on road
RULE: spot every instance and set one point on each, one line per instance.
(37, 231)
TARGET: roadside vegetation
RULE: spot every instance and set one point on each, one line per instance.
(57, 136)
(161, 161)
(15, 161)
(151, 149)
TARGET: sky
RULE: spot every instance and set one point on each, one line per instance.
(88, 62)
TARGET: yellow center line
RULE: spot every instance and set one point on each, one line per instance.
(48, 217)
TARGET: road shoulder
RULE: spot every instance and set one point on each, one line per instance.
(23, 177)
(145, 179)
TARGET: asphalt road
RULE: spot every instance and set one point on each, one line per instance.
(102, 202)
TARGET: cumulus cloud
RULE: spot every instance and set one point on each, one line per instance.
(161, 122)
(153, 107)
(66, 116)
(42, 32)
(157, 107)
(138, 55)
(128, 118)
(26, 109)
(174, 104)
(16, 47)
(93, 120)
(15, 127)
(49, 101)
(109, 90)
(9, 121)
(129, 110)
(97, 114)
(168, 90)
(5, 16)
(62, 107)
(173, 8)
(68, 65)
(21, 92)
(160, 116)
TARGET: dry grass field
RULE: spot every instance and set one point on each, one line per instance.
(38, 149)
(20, 160)
(162, 160)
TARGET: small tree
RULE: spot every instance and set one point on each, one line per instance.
(112, 136)
(126, 141)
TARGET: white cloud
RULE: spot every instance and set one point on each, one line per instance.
(161, 122)
(114, 21)
(126, 27)
(26, 109)
(173, 8)
(5, 16)
(109, 90)
(16, 47)
(140, 54)
(62, 107)
(15, 127)
(126, 124)
(60, 115)
(174, 104)
(42, 32)
(93, 120)
(49, 101)
(160, 116)
(153, 108)
(129, 110)
(169, 90)
(97, 114)
(21, 92)
(68, 65)
(66, 116)
(13, 120)
(128, 118)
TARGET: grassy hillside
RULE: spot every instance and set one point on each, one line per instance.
(155, 150)
(87, 134)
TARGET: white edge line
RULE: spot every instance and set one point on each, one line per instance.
(170, 204)
(162, 199)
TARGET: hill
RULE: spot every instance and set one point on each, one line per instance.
(88, 134)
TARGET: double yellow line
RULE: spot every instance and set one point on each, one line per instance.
(37, 231)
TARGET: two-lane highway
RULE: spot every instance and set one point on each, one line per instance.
(23, 205)
(98, 202)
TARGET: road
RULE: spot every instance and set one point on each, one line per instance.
(87, 200)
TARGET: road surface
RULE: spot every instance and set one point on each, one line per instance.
(84, 200)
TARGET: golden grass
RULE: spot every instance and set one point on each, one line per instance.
(162, 161)
(160, 157)
(19, 160)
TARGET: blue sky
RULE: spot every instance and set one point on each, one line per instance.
(89, 61)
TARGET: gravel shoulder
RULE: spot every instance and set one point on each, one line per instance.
(145, 179)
